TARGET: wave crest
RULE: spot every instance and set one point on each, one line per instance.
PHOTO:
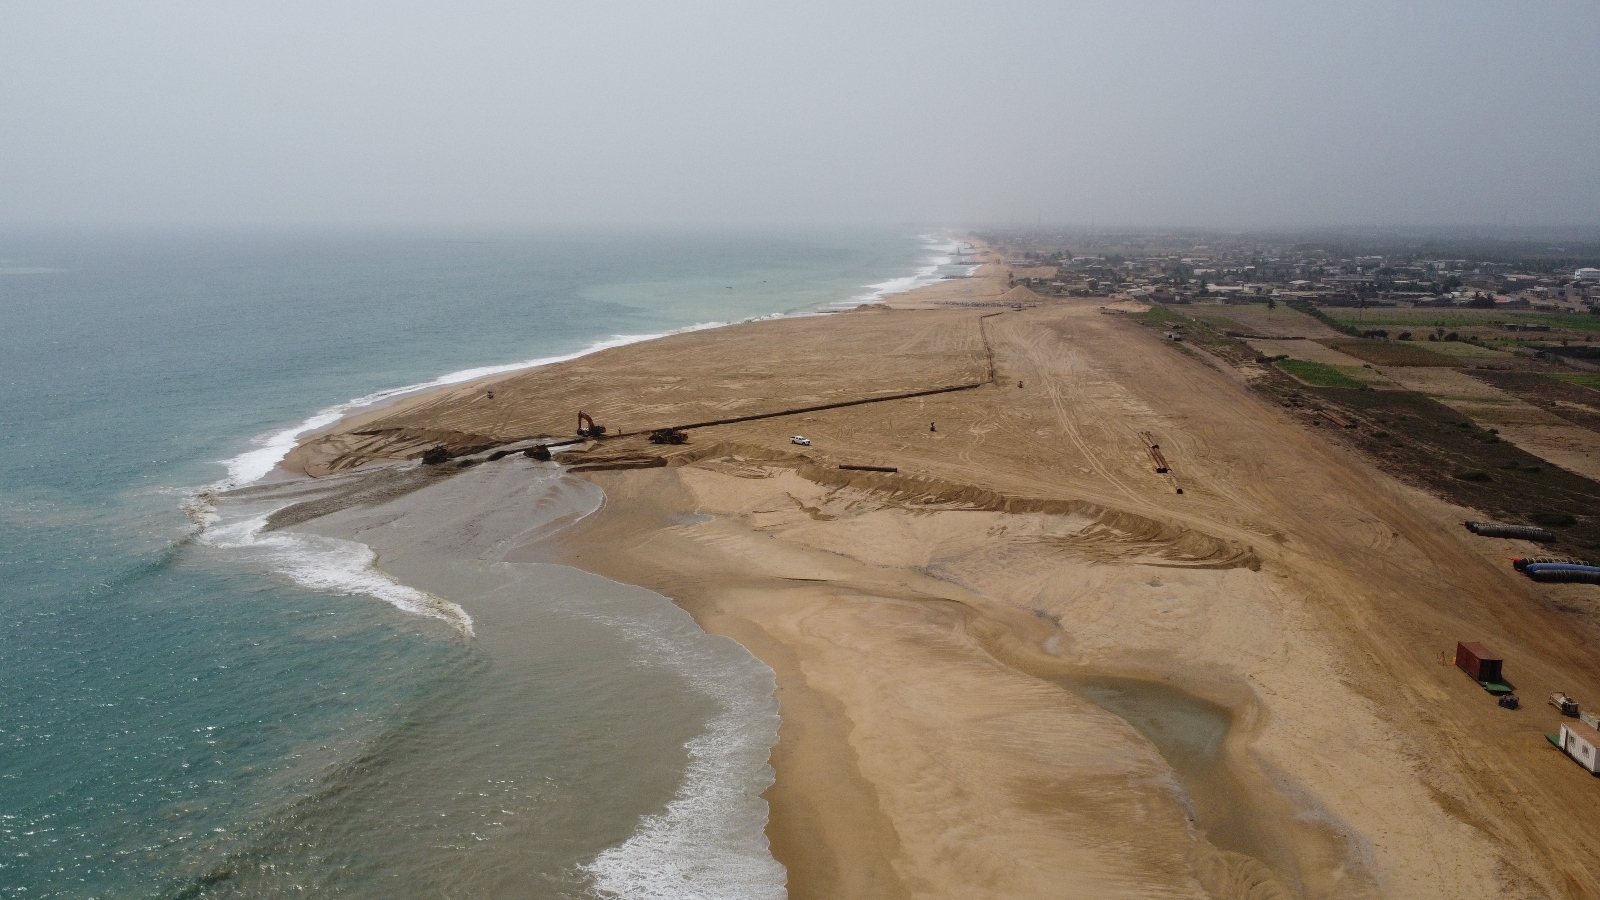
(711, 842)
(330, 565)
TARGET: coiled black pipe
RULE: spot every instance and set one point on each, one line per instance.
(1521, 564)
(1525, 532)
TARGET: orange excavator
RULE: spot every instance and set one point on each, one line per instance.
(587, 427)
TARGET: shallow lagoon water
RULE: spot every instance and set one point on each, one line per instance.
(1191, 734)
(1238, 806)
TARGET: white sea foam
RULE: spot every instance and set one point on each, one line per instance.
(711, 842)
(329, 565)
(941, 253)
(325, 564)
(344, 570)
(254, 465)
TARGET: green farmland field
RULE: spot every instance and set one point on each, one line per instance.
(1423, 317)
(1582, 379)
(1317, 374)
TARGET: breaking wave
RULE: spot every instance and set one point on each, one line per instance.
(319, 564)
(254, 465)
(329, 565)
(711, 841)
(325, 564)
(942, 254)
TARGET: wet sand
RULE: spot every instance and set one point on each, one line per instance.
(959, 645)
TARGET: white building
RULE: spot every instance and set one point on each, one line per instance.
(1579, 743)
(1587, 274)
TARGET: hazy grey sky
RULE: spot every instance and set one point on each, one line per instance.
(689, 113)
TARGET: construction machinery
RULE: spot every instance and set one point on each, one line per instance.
(669, 436)
(587, 427)
(1567, 705)
(1155, 452)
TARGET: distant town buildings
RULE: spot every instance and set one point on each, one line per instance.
(1164, 268)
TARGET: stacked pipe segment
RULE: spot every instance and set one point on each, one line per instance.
(1526, 532)
(1563, 572)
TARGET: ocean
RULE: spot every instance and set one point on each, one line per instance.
(194, 708)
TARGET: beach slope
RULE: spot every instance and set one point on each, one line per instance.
(1024, 663)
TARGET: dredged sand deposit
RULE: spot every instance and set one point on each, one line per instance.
(938, 632)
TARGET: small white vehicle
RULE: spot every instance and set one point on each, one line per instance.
(800, 439)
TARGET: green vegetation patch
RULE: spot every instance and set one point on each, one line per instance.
(1425, 318)
(1381, 353)
(1162, 316)
(1582, 379)
(1220, 323)
(1317, 374)
(1466, 349)
(1198, 333)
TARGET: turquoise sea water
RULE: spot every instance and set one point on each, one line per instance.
(175, 717)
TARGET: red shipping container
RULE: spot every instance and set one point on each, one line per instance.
(1476, 660)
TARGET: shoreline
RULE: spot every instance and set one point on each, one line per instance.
(922, 624)
(304, 510)
(298, 461)
(827, 826)
(267, 462)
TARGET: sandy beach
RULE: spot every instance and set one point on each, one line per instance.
(1025, 664)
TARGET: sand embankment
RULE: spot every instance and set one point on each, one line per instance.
(930, 628)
